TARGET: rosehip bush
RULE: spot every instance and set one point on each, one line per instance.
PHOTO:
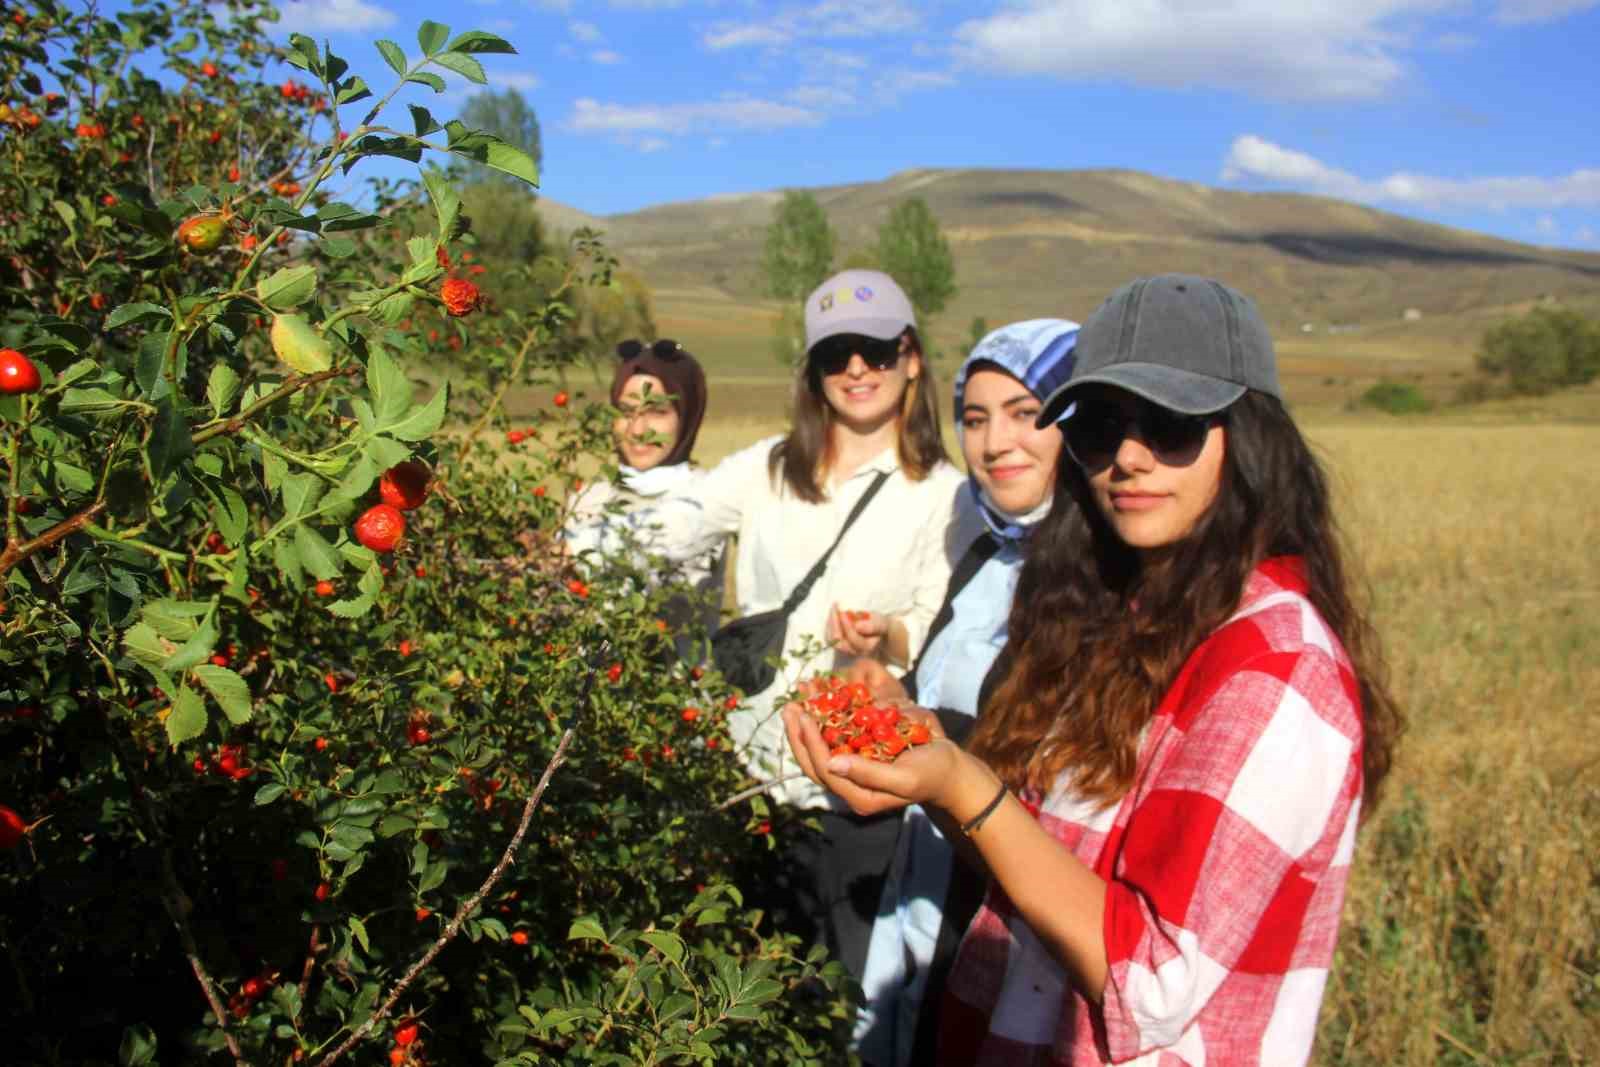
(310, 739)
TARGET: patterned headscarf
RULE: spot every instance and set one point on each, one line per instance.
(1039, 354)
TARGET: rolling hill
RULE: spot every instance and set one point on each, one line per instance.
(1335, 279)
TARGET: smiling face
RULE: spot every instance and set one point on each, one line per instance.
(1013, 460)
(864, 398)
(649, 425)
(1151, 498)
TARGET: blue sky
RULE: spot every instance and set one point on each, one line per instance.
(1474, 113)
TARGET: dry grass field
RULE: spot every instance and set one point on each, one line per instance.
(1472, 932)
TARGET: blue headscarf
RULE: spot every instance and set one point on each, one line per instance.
(1039, 354)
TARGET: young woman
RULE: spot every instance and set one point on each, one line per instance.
(863, 406)
(660, 393)
(1011, 474)
(1165, 788)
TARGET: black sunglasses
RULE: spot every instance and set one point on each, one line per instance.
(832, 355)
(1096, 429)
(663, 349)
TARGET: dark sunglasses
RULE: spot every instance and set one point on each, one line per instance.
(832, 355)
(1096, 429)
(663, 349)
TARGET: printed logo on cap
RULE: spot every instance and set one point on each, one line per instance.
(827, 302)
(863, 293)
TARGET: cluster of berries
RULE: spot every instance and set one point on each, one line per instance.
(227, 764)
(251, 990)
(417, 732)
(23, 118)
(300, 94)
(852, 723)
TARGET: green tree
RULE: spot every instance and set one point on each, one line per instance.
(507, 222)
(508, 115)
(976, 331)
(1548, 348)
(913, 249)
(799, 249)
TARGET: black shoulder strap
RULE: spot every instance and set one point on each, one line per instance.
(976, 555)
(803, 590)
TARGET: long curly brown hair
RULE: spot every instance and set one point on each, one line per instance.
(1086, 669)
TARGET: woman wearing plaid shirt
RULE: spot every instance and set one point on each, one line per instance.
(1166, 787)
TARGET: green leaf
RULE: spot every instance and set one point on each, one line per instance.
(288, 288)
(352, 90)
(359, 929)
(492, 152)
(433, 877)
(198, 648)
(463, 65)
(305, 48)
(316, 554)
(428, 78)
(138, 1048)
(431, 36)
(393, 55)
(478, 41)
(391, 390)
(356, 481)
(665, 942)
(386, 452)
(587, 928)
(230, 515)
(269, 792)
(299, 345)
(446, 202)
(229, 690)
(222, 387)
(339, 247)
(147, 646)
(176, 620)
(148, 363)
(136, 312)
(423, 122)
(170, 440)
(188, 717)
(424, 421)
(92, 400)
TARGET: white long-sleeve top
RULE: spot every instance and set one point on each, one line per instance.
(896, 560)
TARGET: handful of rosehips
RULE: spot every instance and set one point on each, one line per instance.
(852, 722)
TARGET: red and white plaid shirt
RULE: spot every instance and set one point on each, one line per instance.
(1225, 868)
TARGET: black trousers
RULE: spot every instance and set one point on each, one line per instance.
(830, 883)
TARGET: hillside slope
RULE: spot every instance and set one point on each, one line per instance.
(1034, 242)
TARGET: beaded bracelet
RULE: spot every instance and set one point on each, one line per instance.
(978, 819)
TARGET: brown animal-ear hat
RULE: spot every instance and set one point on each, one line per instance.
(683, 379)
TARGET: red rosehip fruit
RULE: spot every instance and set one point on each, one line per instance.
(322, 892)
(515, 437)
(560, 400)
(12, 829)
(519, 937)
(202, 233)
(380, 527)
(406, 1033)
(460, 296)
(17, 373)
(324, 588)
(405, 485)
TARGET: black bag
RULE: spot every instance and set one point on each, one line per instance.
(743, 648)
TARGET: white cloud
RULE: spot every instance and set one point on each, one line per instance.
(896, 83)
(335, 16)
(587, 32)
(1586, 236)
(550, 5)
(652, 144)
(1546, 226)
(606, 57)
(1310, 49)
(1515, 11)
(821, 97)
(732, 112)
(521, 80)
(825, 20)
(1251, 158)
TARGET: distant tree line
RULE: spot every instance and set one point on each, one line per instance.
(799, 254)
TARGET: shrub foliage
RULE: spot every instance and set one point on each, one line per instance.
(302, 799)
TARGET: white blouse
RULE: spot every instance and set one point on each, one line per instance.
(896, 560)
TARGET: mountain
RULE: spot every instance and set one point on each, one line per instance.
(1038, 242)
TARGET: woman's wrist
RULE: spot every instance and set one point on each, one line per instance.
(969, 790)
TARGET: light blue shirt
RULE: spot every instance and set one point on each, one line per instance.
(958, 658)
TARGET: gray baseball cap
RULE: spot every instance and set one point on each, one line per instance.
(866, 302)
(1188, 343)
